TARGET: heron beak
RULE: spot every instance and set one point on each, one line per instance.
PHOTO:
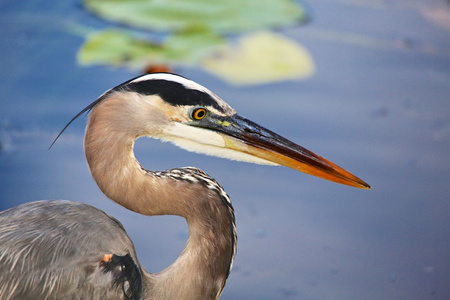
(246, 136)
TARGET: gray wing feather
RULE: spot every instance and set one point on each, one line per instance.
(53, 249)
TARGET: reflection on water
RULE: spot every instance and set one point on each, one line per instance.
(377, 109)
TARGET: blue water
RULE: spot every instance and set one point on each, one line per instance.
(378, 105)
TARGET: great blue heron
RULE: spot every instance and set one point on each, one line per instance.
(69, 250)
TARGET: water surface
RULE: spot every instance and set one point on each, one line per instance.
(377, 106)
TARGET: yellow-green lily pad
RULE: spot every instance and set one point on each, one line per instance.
(261, 58)
(218, 15)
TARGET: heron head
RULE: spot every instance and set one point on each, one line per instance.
(175, 109)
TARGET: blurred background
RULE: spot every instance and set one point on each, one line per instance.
(365, 84)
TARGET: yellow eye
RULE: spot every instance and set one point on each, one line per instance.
(198, 113)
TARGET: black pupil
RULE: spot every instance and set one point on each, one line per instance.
(200, 114)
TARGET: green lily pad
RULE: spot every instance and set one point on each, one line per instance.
(191, 45)
(219, 15)
(261, 58)
(116, 48)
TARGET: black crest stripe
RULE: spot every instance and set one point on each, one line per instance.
(172, 92)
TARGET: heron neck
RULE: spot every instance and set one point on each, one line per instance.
(210, 246)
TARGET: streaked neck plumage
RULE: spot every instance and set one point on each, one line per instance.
(201, 270)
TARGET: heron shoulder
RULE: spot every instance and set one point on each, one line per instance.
(52, 248)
